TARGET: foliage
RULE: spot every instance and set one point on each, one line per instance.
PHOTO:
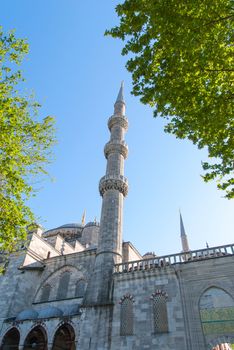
(25, 143)
(181, 57)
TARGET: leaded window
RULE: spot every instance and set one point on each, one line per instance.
(160, 319)
(126, 315)
(63, 285)
(80, 288)
(45, 294)
(217, 312)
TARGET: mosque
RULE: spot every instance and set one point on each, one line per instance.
(79, 286)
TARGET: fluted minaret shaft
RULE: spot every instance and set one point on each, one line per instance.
(113, 188)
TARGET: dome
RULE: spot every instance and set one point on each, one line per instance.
(72, 225)
(71, 310)
(66, 226)
(28, 314)
(49, 312)
(149, 255)
(92, 223)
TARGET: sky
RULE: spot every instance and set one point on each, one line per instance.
(75, 73)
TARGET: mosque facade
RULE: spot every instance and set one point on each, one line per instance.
(79, 286)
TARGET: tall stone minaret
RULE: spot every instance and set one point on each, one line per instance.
(113, 187)
(183, 236)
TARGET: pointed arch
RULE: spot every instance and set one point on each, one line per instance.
(126, 315)
(216, 308)
(64, 338)
(11, 339)
(53, 279)
(36, 339)
(159, 307)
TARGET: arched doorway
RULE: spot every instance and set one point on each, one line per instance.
(11, 340)
(64, 338)
(36, 339)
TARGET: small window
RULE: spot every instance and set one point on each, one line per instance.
(63, 285)
(160, 319)
(126, 315)
(80, 288)
(45, 294)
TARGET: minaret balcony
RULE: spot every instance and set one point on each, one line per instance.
(116, 147)
(113, 182)
(118, 119)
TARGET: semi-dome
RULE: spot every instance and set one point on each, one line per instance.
(49, 312)
(28, 314)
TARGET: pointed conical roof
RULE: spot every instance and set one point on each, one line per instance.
(120, 97)
(182, 230)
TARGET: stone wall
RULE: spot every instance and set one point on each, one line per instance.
(140, 286)
(98, 327)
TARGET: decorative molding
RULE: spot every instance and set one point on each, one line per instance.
(127, 296)
(159, 292)
(113, 147)
(111, 182)
(118, 119)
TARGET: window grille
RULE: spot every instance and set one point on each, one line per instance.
(63, 285)
(126, 315)
(45, 294)
(160, 319)
(80, 288)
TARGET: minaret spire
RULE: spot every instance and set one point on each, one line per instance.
(113, 187)
(183, 236)
(120, 97)
(182, 230)
(119, 107)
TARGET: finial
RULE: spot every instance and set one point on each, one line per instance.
(120, 97)
(83, 218)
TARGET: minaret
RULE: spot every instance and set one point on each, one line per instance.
(183, 236)
(113, 187)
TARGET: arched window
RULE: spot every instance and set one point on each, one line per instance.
(36, 339)
(63, 285)
(80, 288)
(64, 338)
(160, 320)
(126, 315)
(45, 293)
(217, 313)
(11, 340)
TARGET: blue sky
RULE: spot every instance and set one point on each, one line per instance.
(75, 73)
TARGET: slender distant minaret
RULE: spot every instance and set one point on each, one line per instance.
(113, 187)
(183, 236)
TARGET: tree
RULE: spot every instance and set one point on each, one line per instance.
(25, 145)
(181, 56)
